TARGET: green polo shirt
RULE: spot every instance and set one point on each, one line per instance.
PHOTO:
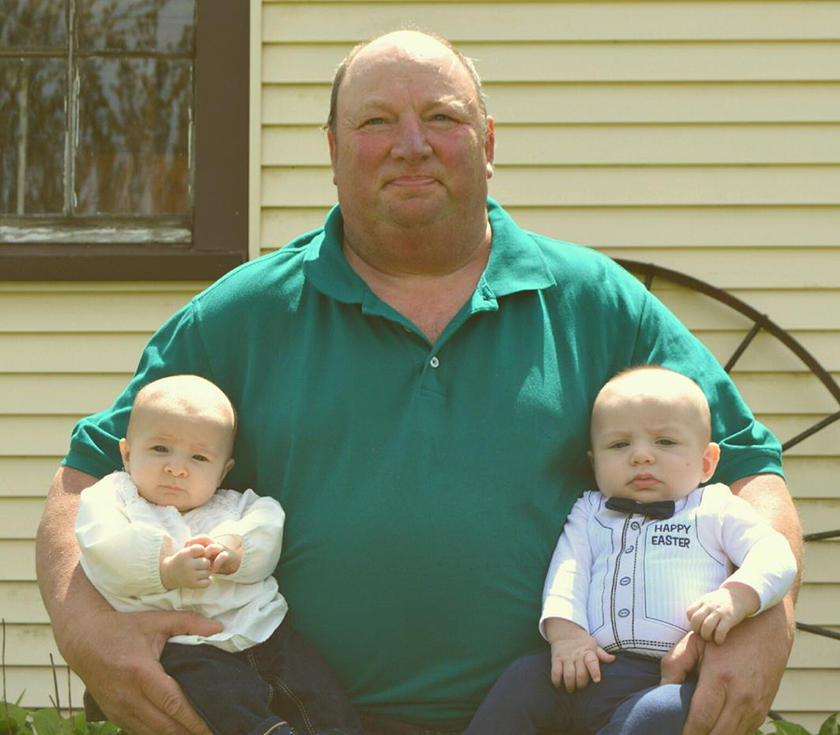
(424, 484)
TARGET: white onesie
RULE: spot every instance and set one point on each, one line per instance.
(120, 536)
(628, 579)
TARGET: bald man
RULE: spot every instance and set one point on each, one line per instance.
(414, 382)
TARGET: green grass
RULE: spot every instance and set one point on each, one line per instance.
(783, 727)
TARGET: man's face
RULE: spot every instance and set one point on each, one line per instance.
(176, 459)
(648, 448)
(411, 146)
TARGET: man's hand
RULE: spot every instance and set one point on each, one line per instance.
(716, 613)
(739, 679)
(116, 655)
(575, 655)
(682, 659)
(736, 686)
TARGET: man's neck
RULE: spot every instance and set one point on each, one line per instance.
(426, 280)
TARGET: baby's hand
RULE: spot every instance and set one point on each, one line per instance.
(575, 656)
(716, 613)
(187, 567)
(224, 552)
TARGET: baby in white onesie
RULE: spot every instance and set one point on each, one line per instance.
(641, 562)
(162, 536)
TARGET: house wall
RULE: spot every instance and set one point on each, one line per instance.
(703, 136)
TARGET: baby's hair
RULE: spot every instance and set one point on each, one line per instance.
(671, 379)
(184, 391)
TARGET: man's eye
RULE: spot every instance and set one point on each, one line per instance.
(443, 118)
(375, 121)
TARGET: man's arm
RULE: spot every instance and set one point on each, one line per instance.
(736, 687)
(115, 654)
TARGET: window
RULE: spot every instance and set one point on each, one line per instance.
(125, 151)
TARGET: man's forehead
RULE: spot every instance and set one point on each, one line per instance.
(411, 51)
(405, 44)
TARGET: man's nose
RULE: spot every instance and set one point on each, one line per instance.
(411, 142)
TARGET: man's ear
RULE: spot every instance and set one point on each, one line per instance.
(490, 146)
(125, 452)
(711, 456)
(333, 151)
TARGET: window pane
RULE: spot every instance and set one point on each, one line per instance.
(134, 136)
(136, 25)
(33, 23)
(32, 113)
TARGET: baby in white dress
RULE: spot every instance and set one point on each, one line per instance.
(161, 536)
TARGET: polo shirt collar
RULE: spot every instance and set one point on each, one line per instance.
(515, 264)
(326, 267)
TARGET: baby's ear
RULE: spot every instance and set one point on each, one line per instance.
(591, 457)
(125, 452)
(711, 456)
(228, 467)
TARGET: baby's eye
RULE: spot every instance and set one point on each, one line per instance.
(200, 458)
(159, 449)
(666, 442)
(618, 445)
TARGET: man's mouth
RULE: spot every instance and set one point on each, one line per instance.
(411, 180)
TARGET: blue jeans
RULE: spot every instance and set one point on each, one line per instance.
(627, 701)
(282, 686)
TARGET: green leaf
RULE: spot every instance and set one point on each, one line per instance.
(13, 719)
(830, 726)
(47, 722)
(783, 727)
(79, 724)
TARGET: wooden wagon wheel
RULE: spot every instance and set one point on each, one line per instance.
(761, 322)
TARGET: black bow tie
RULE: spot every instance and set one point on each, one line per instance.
(656, 509)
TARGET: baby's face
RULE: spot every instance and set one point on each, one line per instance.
(650, 448)
(174, 458)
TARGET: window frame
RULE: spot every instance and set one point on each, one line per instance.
(221, 177)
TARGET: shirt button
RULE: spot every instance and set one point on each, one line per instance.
(629, 550)
(623, 613)
(624, 581)
(434, 362)
(635, 525)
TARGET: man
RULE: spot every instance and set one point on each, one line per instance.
(414, 383)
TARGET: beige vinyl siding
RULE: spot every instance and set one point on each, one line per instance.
(66, 350)
(703, 136)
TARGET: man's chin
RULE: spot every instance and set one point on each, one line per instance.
(416, 211)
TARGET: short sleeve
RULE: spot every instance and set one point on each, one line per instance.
(176, 348)
(747, 446)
